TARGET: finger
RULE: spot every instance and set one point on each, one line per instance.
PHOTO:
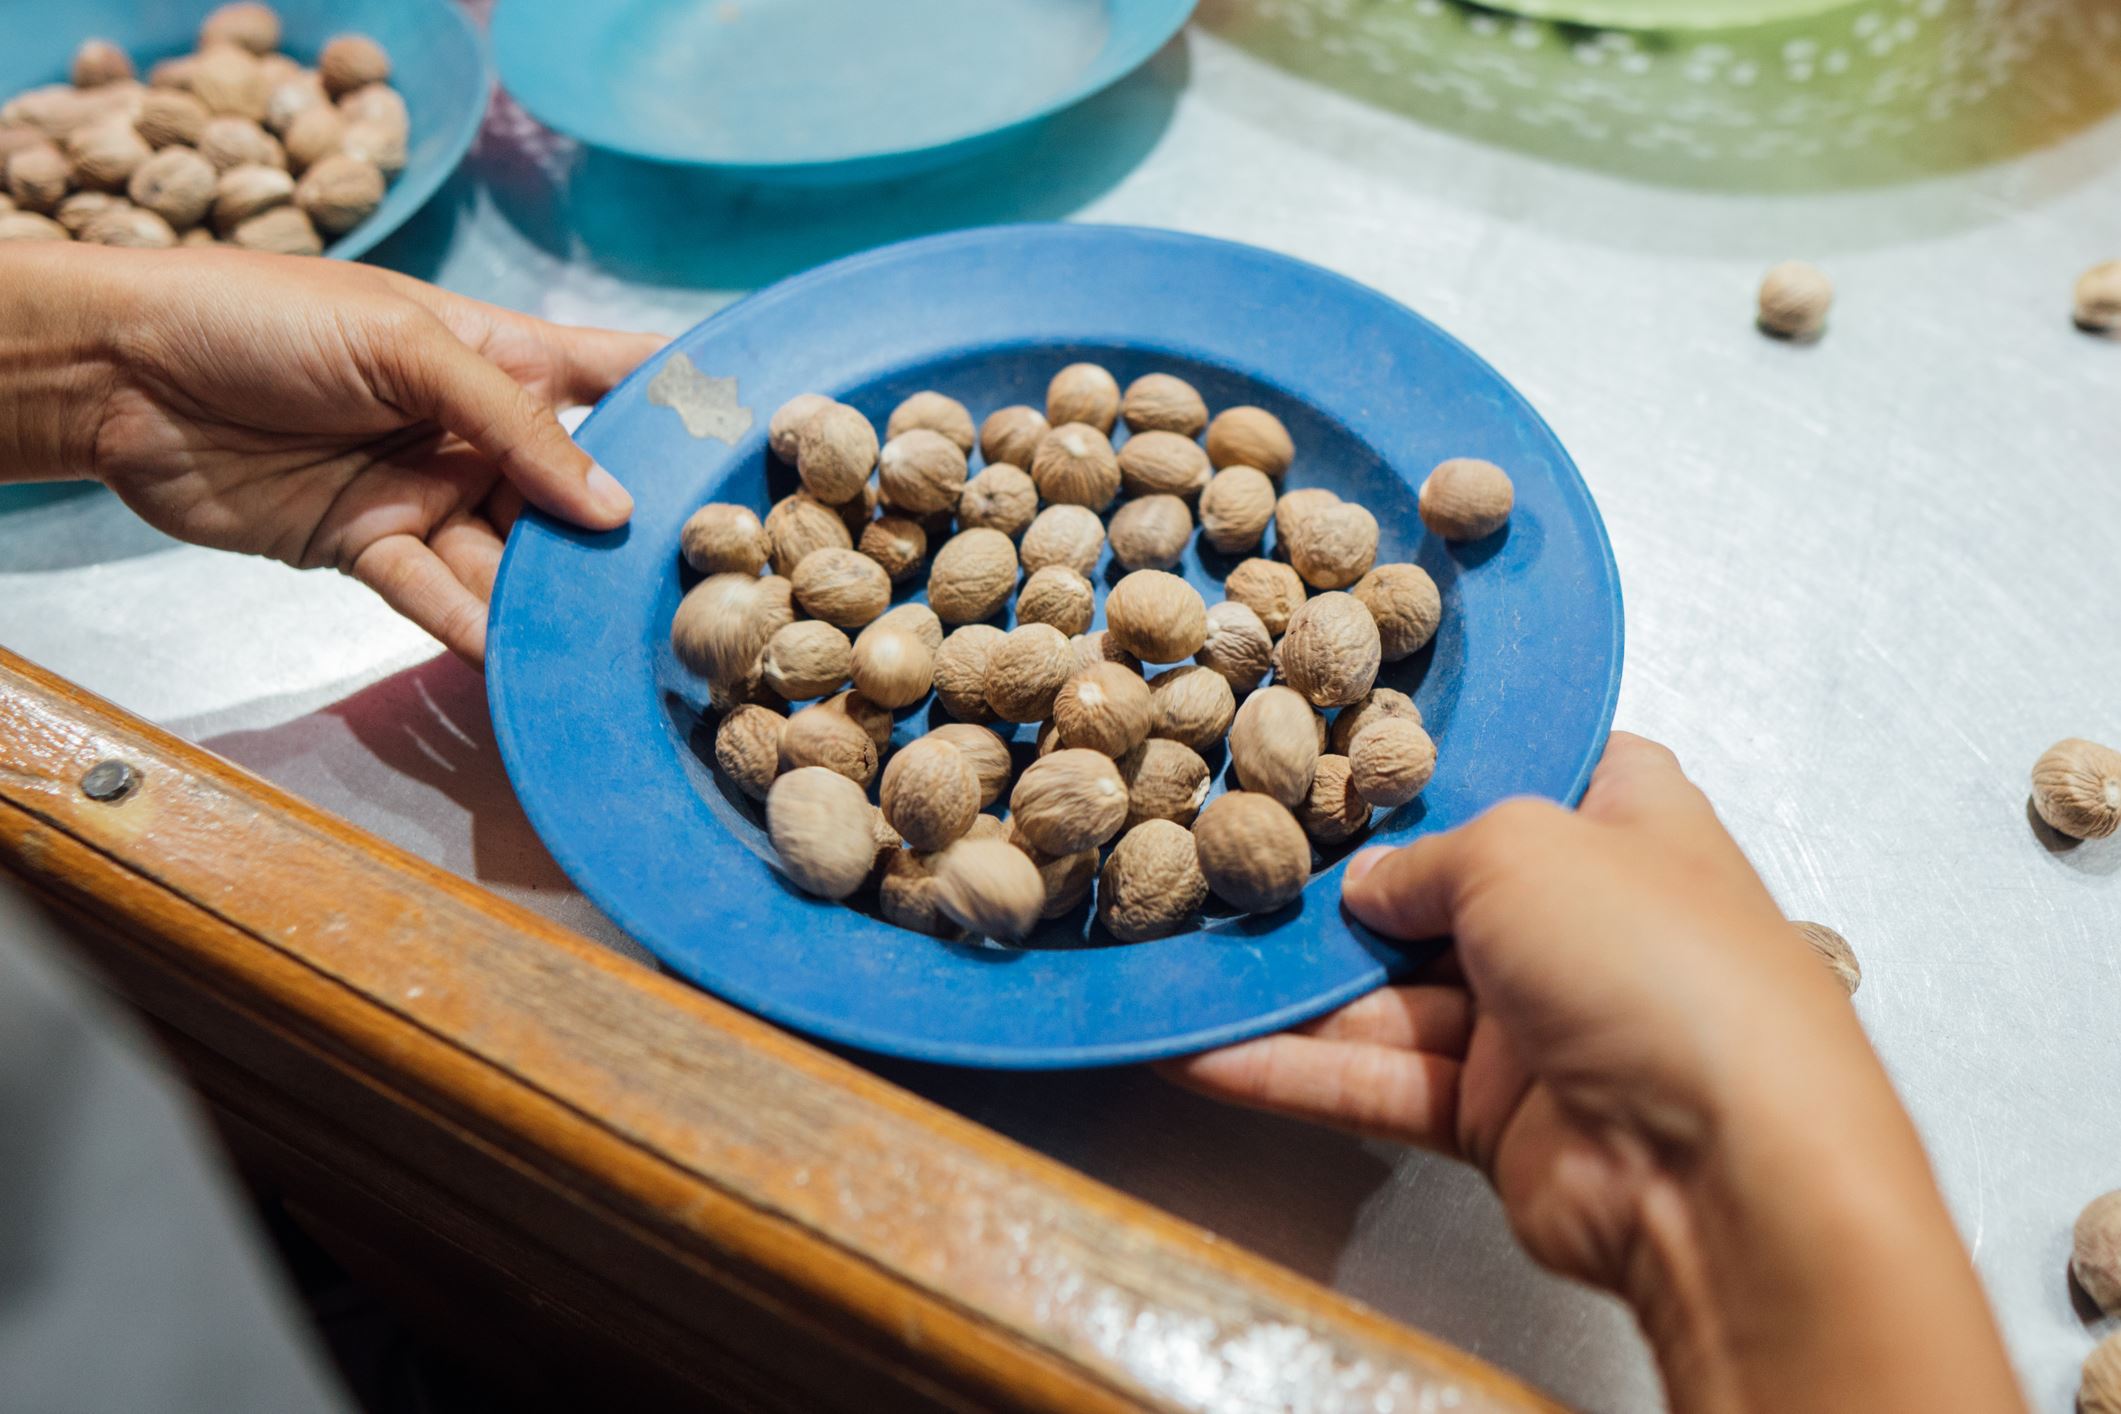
(413, 580)
(1434, 1019)
(1415, 891)
(1640, 780)
(472, 551)
(588, 363)
(1409, 1096)
(443, 381)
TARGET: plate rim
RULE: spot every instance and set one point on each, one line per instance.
(509, 60)
(1394, 958)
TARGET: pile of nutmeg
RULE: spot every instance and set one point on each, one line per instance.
(236, 143)
(1282, 672)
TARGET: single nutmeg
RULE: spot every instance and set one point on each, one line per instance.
(376, 103)
(828, 736)
(2077, 788)
(1157, 617)
(229, 81)
(1026, 670)
(169, 118)
(2099, 1388)
(961, 671)
(379, 143)
(893, 668)
(106, 153)
(820, 824)
(244, 192)
(785, 428)
(352, 61)
(1152, 882)
(800, 524)
(971, 576)
(82, 207)
(1166, 780)
(2095, 1252)
(198, 236)
(871, 719)
(1058, 596)
(935, 413)
(1011, 435)
(897, 543)
(313, 136)
(808, 658)
(1153, 462)
(920, 471)
(28, 226)
(721, 538)
(1406, 605)
(129, 226)
(989, 887)
(340, 192)
(747, 746)
(176, 184)
(1834, 951)
(986, 753)
(1274, 745)
(1235, 508)
(1333, 810)
(2098, 302)
(722, 624)
(1794, 299)
(1192, 705)
(835, 451)
(284, 230)
(1159, 402)
(1269, 589)
(1067, 877)
(1378, 703)
(229, 141)
(290, 98)
(1094, 648)
(98, 62)
(1333, 546)
(843, 587)
(1331, 652)
(1104, 708)
(906, 895)
(1072, 536)
(1294, 506)
(1249, 436)
(916, 619)
(1466, 498)
(1391, 760)
(1074, 465)
(1150, 532)
(1069, 800)
(247, 25)
(1083, 392)
(38, 178)
(929, 793)
(1237, 646)
(1002, 497)
(1252, 852)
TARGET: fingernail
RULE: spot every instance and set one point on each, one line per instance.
(1365, 861)
(610, 497)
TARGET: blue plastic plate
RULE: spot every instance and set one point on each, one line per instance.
(602, 730)
(439, 66)
(816, 91)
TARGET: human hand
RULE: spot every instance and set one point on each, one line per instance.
(1672, 1097)
(326, 413)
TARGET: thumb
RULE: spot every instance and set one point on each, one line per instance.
(443, 381)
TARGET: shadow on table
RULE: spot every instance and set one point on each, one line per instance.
(676, 225)
(67, 525)
(413, 759)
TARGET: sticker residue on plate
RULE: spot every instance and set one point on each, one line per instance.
(708, 406)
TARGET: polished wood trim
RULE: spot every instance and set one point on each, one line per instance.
(747, 1212)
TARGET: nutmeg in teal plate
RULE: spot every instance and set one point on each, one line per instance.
(817, 91)
(437, 63)
(610, 741)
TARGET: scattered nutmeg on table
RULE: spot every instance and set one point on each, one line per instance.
(1794, 300)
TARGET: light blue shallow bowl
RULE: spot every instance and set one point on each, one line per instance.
(816, 91)
(439, 65)
(602, 730)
